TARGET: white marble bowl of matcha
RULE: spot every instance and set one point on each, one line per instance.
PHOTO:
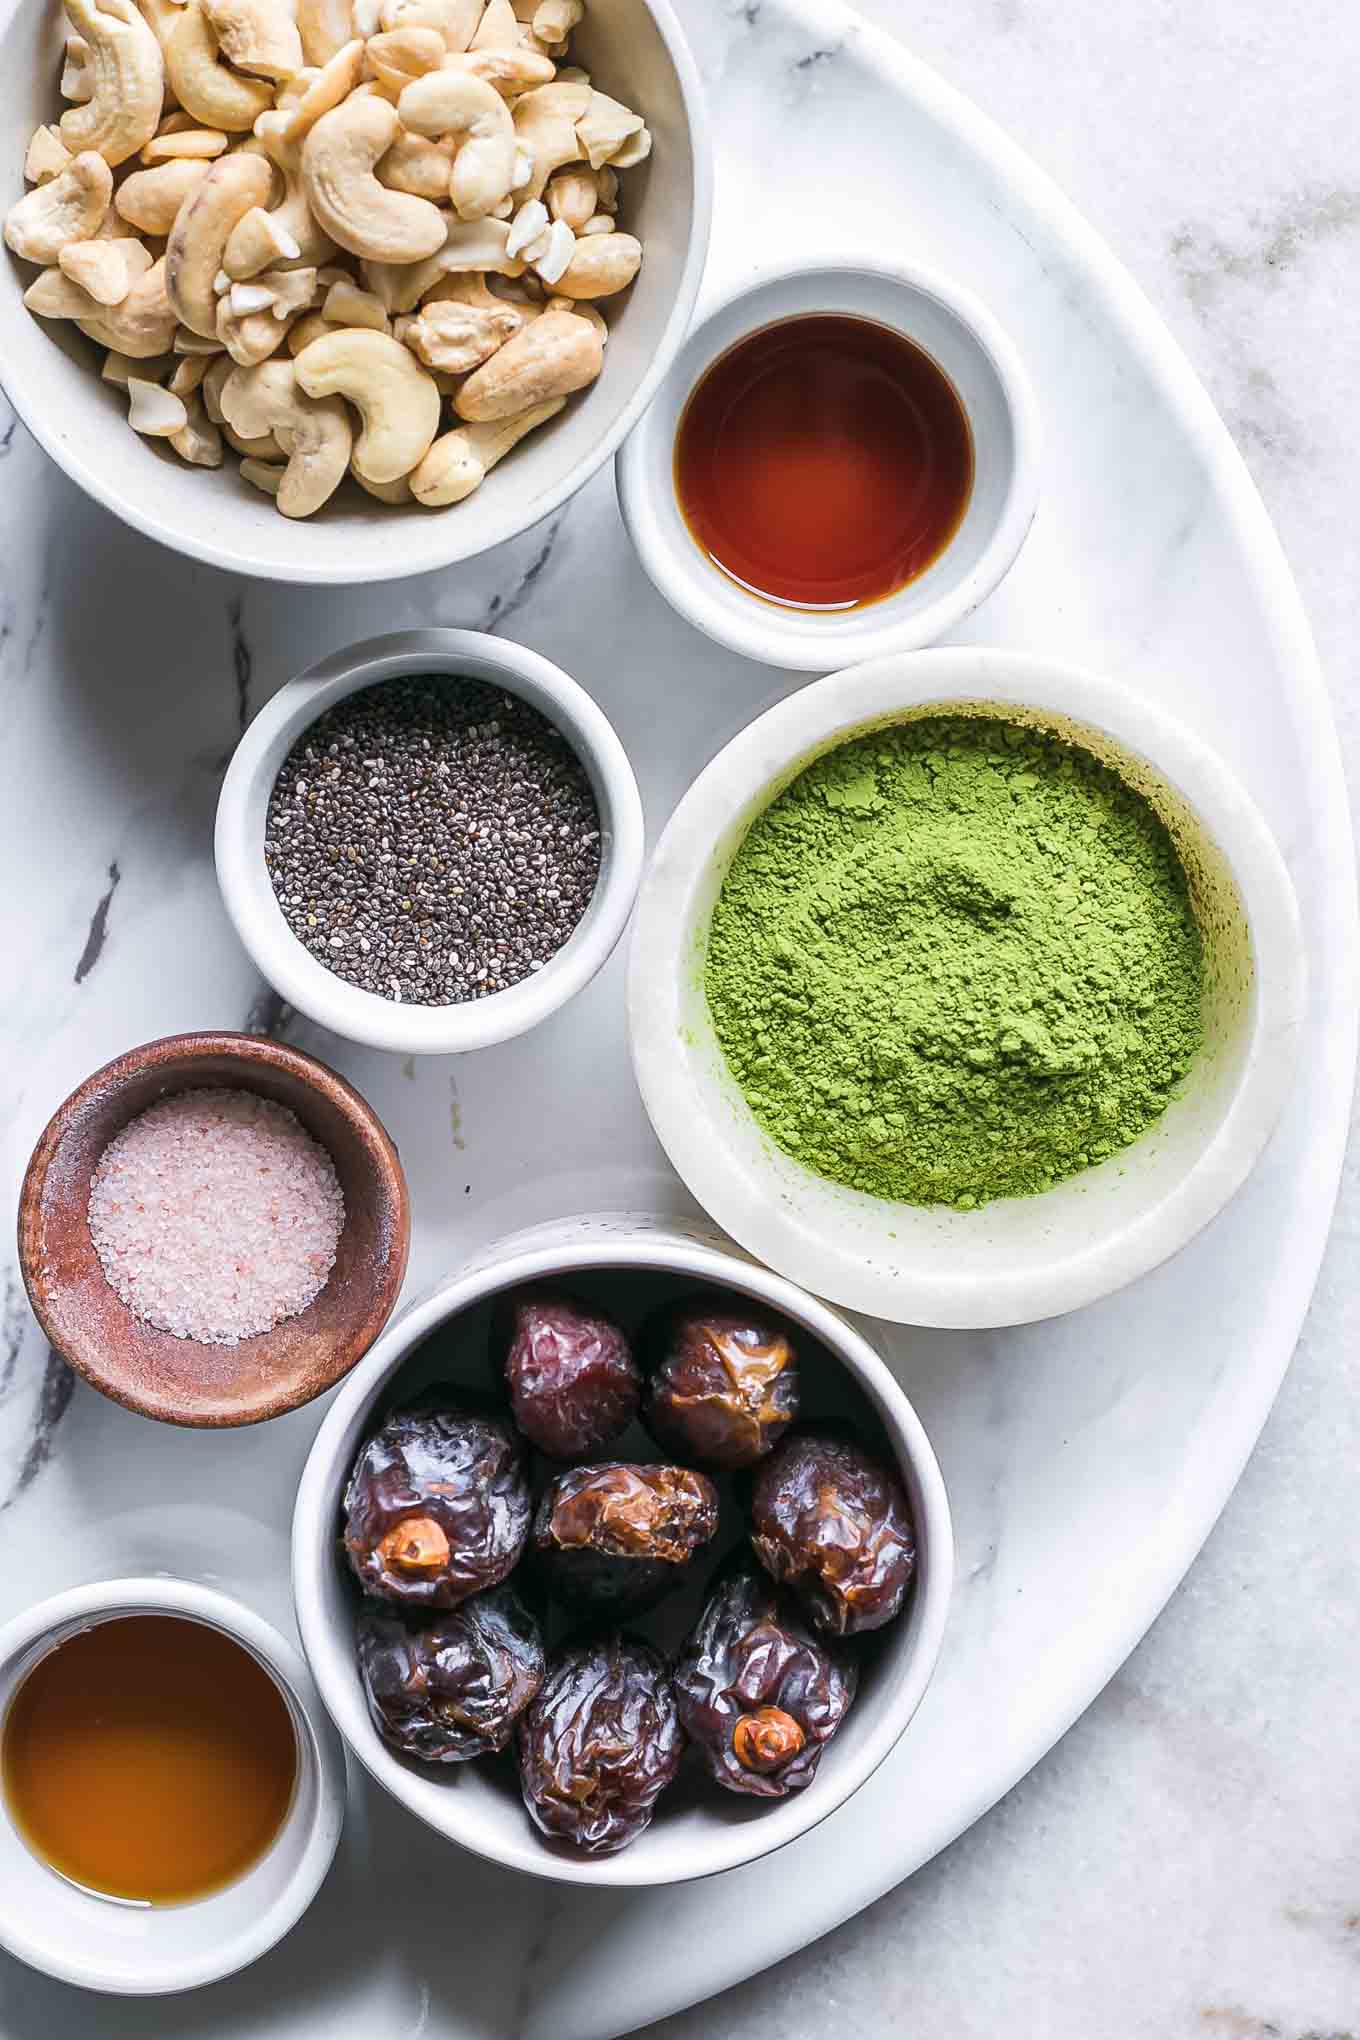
(1014, 1259)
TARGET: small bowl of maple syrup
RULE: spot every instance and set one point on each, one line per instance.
(171, 1787)
(842, 462)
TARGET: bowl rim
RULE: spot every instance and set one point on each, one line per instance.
(321, 1754)
(314, 1075)
(786, 637)
(199, 542)
(838, 707)
(366, 1017)
(623, 1241)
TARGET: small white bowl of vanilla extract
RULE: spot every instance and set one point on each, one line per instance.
(842, 462)
(171, 1788)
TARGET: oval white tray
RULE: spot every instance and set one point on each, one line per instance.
(1086, 1459)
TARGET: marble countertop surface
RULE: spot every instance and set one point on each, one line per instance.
(1183, 1866)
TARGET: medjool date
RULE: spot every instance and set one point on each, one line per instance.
(451, 1688)
(759, 1696)
(438, 1505)
(612, 1539)
(722, 1381)
(599, 1743)
(573, 1385)
(831, 1521)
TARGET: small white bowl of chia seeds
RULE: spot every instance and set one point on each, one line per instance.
(429, 841)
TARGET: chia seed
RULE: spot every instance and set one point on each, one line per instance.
(432, 840)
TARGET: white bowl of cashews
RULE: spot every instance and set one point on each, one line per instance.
(406, 271)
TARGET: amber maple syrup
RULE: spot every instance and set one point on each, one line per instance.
(824, 462)
(149, 1758)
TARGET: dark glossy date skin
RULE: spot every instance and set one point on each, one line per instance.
(573, 1384)
(611, 1540)
(760, 1696)
(599, 1743)
(438, 1505)
(831, 1521)
(722, 1383)
(451, 1687)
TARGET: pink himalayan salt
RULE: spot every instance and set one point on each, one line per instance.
(215, 1215)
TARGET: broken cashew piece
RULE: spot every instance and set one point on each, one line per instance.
(456, 338)
(325, 26)
(556, 354)
(338, 161)
(545, 123)
(257, 242)
(400, 54)
(510, 71)
(155, 412)
(604, 128)
(419, 166)
(313, 432)
(292, 215)
(69, 207)
(330, 88)
(259, 36)
(199, 144)
(203, 226)
(198, 441)
(456, 20)
(47, 156)
(126, 77)
(473, 114)
(554, 20)
(106, 269)
(573, 195)
(459, 462)
(396, 399)
(150, 199)
(263, 474)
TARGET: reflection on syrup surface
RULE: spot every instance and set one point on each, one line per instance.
(824, 462)
(149, 1758)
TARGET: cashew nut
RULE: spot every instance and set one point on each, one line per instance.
(545, 123)
(198, 441)
(127, 81)
(197, 144)
(456, 104)
(556, 354)
(69, 207)
(325, 27)
(457, 337)
(459, 462)
(554, 21)
(600, 265)
(419, 166)
(468, 245)
(338, 159)
(604, 128)
(387, 492)
(396, 399)
(400, 54)
(206, 87)
(510, 71)
(203, 226)
(142, 325)
(330, 88)
(346, 305)
(106, 269)
(498, 28)
(456, 20)
(249, 337)
(313, 431)
(635, 150)
(573, 195)
(292, 215)
(47, 156)
(153, 411)
(259, 36)
(150, 199)
(187, 375)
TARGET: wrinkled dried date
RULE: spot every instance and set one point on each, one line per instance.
(831, 1521)
(612, 1539)
(451, 1687)
(759, 1696)
(722, 1381)
(573, 1385)
(438, 1504)
(599, 1743)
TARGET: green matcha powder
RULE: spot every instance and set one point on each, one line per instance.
(956, 960)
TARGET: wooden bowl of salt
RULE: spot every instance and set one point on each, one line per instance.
(269, 1211)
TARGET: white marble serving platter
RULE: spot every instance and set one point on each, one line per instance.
(1086, 1459)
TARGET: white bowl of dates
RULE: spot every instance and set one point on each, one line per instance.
(168, 266)
(169, 1833)
(621, 1560)
(430, 841)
